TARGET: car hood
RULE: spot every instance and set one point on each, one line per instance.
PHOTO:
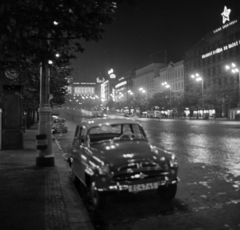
(117, 153)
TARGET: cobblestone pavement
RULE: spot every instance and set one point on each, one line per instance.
(31, 198)
(38, 198)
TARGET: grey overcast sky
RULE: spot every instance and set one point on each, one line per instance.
(144, 27)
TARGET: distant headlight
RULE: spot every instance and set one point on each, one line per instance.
(103, 170)
(173, 162)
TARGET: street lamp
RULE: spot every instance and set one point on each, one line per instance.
(166, 85)
(234, 69)
(142, 90)
(197, 77)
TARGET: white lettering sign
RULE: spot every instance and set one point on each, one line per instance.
(221, 49)
(225, 26)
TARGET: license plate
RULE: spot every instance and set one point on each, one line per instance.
(142, 187)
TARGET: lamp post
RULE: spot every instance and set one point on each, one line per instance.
(234, 69)
(197, 77)
(143, 91)
(45, 156)
(166, 85)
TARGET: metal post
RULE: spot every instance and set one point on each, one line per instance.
(239, 89)
(202, 99)
(0, 128)
(45, 157)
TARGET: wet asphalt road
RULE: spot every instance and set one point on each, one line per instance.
(208, 194)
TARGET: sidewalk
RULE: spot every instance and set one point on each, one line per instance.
(38, 198)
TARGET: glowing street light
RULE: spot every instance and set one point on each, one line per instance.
(197, 77)
(235, 70)
(166, 85)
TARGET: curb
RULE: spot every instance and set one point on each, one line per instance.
(77, 213)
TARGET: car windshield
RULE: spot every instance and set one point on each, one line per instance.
(116, 132)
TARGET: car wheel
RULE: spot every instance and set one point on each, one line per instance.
(167, 193)
(98, 198)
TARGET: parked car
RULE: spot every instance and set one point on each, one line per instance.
(114, 155)
(150, 114)
(59, 125)
(237, 117)
(99, 113)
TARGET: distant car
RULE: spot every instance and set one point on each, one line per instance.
(99, 113)
(59, 125)
(237, 116)
(111, 155)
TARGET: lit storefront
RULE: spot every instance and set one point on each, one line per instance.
(207, 60)
(105, 94)
(83, 89)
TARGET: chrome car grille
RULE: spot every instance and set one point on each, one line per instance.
(137, 165)
(140, 170)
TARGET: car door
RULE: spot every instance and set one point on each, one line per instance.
(79, 163)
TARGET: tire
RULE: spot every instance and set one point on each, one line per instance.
(98, 198)
(167, 193)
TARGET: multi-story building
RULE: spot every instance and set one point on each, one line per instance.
(144, 77)
(83, 88)
(123, 88)
(208, 58)
(173, 75)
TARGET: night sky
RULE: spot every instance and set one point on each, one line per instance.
(144, 27)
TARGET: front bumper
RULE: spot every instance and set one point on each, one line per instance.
(144, 185)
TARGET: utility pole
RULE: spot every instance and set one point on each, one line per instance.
(45, 157)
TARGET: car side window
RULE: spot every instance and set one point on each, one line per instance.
(76, 131)
(127, 130)
(75, 140)
(82, 135)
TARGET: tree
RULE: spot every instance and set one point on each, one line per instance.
(34, 31)
(141, 102)
(221, 97)
(58, 83)
(162, 100)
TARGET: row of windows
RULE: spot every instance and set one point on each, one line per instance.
(173, 74)
(230, 54)
(178, 86)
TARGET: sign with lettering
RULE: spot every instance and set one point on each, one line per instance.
(225, 17)
(221, 49)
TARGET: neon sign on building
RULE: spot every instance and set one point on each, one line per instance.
(221, 49)
(225, 14)
(225, 17)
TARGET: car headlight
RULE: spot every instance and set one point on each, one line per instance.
(173, 162)
(103, 169)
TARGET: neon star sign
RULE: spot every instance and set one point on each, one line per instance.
(225, 14)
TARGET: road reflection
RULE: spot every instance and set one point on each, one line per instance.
(199, 141)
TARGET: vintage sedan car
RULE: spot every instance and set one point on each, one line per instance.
(59, 125)
(114, 155)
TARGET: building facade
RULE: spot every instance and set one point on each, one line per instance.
(124, 87)
(173, 75)
(82, 88)
(144, 78)
(208, 59)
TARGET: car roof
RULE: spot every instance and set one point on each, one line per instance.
(108, 121)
